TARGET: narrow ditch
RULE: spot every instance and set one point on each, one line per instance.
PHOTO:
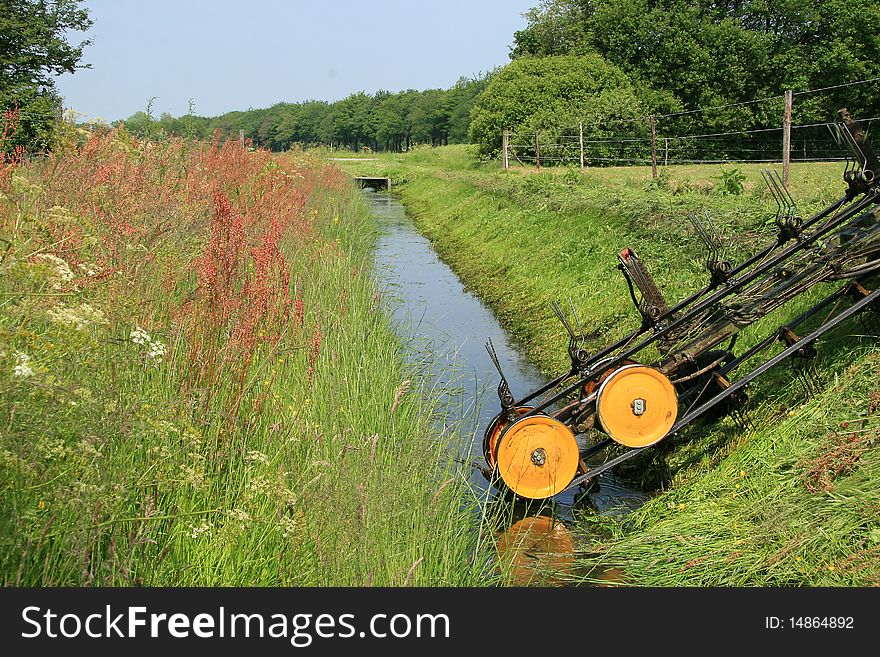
(444, 327)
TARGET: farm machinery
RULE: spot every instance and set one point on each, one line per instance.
(679, 365)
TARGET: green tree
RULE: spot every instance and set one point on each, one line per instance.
(33, 50)
(709, 52)
(390, 120)
(430, 117)
(462, 98)
(553, 94)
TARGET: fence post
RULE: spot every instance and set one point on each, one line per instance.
(538, 148)
(666, 151)
(241, 137)
(653, 146)
(505, 145)
(786, 137)
(581, 135)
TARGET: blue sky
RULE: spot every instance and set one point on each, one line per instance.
(229, 55)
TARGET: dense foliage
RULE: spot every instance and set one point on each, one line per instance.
(552, 94)
(717, 70)
(33, 49)
(381, 121)
(716, 53)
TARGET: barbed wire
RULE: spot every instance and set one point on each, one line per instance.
(757, 145)
(646, 117)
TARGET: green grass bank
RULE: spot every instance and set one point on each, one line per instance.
(793, 499)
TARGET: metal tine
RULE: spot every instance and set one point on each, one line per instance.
(714, 238)
(797, 370)
(577, 318)
(494, 356)
(745, 419)
(702, 233)
(837, 136)
(834, 129)
(769, 181)
(710, 240)
(557, 309)
(787, 202)
(791, 204)
(812, 386)
(504, 395)
(721, 249)
(854, 147)
(784, 212)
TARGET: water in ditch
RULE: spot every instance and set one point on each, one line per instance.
(445, 328)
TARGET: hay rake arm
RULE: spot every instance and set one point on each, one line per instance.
(674, 369)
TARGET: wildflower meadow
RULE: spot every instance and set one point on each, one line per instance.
(198, 383)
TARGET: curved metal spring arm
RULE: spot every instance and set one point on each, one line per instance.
(504, 395)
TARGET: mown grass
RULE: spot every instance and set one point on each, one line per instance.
(805, 510)
(198, 385)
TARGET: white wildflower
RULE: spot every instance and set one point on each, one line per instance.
(22, 367)
(160, 452)
(291, 526)
(204, 529)
(89, 270)
(79, 317)
(241, 517)
(260, 486)
(87, 449)
(60, 215)
(139, 336)
(63, 272)
(157, 349)
(193, 476)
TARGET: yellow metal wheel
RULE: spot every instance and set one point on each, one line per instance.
(493, 433)
(537, 457)
(637, 406)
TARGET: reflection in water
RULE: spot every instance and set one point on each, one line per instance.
(536, 550)
(445, 327)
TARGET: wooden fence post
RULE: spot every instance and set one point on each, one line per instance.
(538, 148)
(653, 146)
(241, 137)
(581, 136)
(505, 145)
(786, 137)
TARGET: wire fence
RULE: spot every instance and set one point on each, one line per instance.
(808, 143)
(665, 139)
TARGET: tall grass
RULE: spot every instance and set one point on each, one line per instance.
(789, 501)
(198, 385)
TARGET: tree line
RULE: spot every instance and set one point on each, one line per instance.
(601, 62)
(383, 121)
(604, 64)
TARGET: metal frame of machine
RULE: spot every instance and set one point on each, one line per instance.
(674, 368)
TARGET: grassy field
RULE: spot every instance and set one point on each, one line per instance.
(794, 498)
(198, 385)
